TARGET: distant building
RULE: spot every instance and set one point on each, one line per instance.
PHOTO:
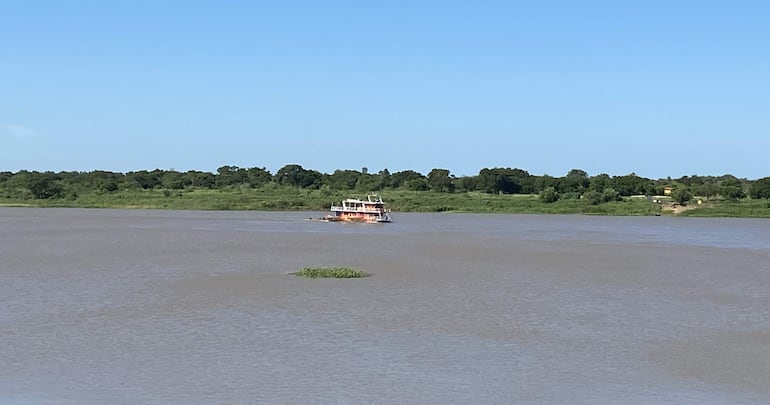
(668, 190)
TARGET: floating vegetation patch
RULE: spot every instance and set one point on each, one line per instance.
(331, 272)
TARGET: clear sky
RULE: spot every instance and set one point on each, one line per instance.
(659, 88)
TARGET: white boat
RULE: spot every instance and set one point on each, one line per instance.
(372, 210)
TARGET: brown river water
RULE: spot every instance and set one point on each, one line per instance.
(190, 307)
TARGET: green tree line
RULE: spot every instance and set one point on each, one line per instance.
(574, 184)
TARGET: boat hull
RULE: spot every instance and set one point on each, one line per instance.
(353, 218)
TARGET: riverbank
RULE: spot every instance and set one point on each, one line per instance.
(293, 199)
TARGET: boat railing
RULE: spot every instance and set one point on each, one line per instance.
(357, 209)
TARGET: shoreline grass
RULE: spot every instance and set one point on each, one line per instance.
(331, 272)
(275, 198)
(731, 209)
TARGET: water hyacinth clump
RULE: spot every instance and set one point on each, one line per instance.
(331, 272)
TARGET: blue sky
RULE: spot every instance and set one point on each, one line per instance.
(659, 88)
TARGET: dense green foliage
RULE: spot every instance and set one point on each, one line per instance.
(760, 188)
(549, 195)
(732, 189)
(331, 272)
(682, 195)
(296, 188)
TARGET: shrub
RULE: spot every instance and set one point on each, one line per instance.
(549, 195)
(592, 197)
(609, 194)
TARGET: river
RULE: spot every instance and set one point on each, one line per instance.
(192, 307)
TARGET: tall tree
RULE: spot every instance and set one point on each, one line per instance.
(231, 176)
(439, 180)
(258, 176)
(708, 189)
(760, 188)
(600, 182)
(297, 176)
(195, 178)
(501, 180)
(576, 181)
(731, 189)
(632, 184)
(145, 179)
(172, 179)
(385, 179)
(681, 195)
(342, 179)
(44, 185)
(400, 179)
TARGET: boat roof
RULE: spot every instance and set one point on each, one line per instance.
(371, 198)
